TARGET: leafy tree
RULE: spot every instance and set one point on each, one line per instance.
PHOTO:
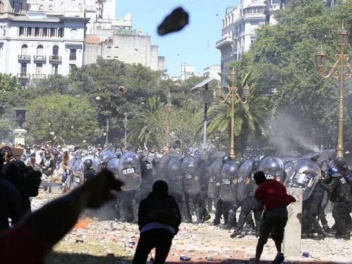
(283, 67)
(62, 116)
(8, 85)
(149, 123)
(248, 117)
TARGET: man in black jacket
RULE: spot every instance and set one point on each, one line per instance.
(159, 219)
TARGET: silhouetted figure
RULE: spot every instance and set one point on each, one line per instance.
(159, 218)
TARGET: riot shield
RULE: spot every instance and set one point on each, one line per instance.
(288, 168)
(244, 180)
(113, 166)
(191, 175)
(174, 176)
(214, 179)
(96, 164)
(273, 168)
(129, 171)
(228, 181)
(305, 175)
(76, 166)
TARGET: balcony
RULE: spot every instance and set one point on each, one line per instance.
(24, 58)
(38, 76)
(224, 41)
(55, 59)
(73, 57)
(23, 76)
(39, 59)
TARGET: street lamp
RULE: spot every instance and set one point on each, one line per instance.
(337, 71)
(233, 98)
(125, 122)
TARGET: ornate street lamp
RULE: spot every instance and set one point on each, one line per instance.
(233, 98)
(340, 70)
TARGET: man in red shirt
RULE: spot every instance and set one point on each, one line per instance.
(273, 197)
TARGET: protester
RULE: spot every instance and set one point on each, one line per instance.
(37, 233)
(10, 202)
(274, 198)
(159, 219)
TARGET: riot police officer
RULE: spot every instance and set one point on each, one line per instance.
(147, 181)
(245, 196)
(89, 172)
(341, 197)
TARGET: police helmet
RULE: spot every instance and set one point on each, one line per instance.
(88, 163)
(225, 159)
(333, 171)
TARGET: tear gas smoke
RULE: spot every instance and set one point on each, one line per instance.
(288, 134)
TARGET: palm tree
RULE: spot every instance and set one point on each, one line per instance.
(248, 120)
(148, 123)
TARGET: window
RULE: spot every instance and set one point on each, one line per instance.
(21, 32)
(41, 7)
(29, 31)
(24, 49)
(52, 32)
(61, 33)
(50, 7)
(45, 32)
(23, 69)
(73, 54)
(36, 32)
(40, 50)
(55, 51)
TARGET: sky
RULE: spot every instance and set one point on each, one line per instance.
(195, 44)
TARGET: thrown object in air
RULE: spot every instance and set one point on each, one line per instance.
(175, 21)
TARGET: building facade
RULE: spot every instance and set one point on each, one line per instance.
(39, 38)
(116, 39)
(239, 26)
(212, 72)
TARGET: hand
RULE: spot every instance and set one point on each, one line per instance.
(99, 188)
(310, 183)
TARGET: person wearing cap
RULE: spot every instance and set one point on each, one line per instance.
(159, 219)
(273, 197)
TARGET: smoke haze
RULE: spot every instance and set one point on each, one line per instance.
(288, 134)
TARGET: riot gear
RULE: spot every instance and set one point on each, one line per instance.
(273, 168)
(88, 164)
(129, 171)
(225, 159)
(304, 174)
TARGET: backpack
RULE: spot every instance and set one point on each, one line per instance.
(163, 209)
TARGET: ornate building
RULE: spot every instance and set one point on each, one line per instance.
(239, 25)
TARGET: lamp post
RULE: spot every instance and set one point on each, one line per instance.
(233, 98)
(125, 122)
(340, 70)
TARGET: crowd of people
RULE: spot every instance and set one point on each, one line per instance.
(199, 184)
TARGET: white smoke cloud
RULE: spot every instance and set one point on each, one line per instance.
(287, 134)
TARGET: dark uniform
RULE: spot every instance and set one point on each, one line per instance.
(311, 210)
(342, 198)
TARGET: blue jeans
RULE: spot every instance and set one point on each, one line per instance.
(64, 176)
